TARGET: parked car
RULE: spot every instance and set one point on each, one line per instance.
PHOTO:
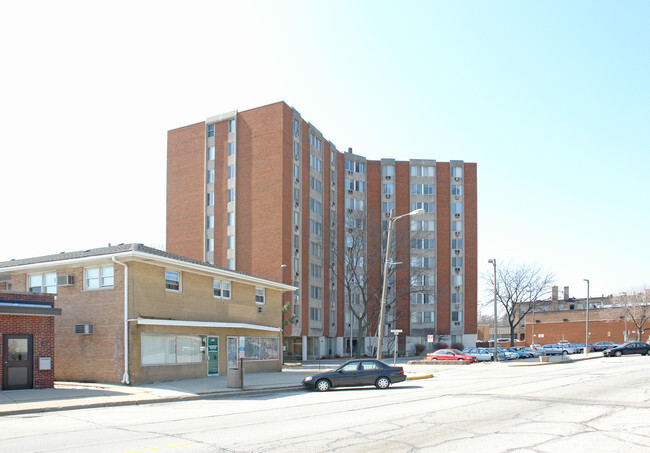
(527, 350)
(483, 354)
(580, 347)
(603, 345)
(354, 373)
(509, 354)
(554, 349)
(633, 347)
(451, 354)
(520, 354)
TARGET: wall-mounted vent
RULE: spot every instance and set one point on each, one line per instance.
(84, 329)
(65, 280)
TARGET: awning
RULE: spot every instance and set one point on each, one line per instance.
(220, 325)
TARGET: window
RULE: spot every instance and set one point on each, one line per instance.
(316, 228)
(387, 206)
(422, 298)
(428, 207)
(296, 127)
(296, 150)
(457, 316)
(42, 283)
(423, 243)
(315, 270)
(315, 162)
(457, 172)
(209, 244)
(231, 218)
(231, 241)
(211, 153)
(315, 206)
(316, 250)
(315, 142)
(296, 219)
(315, 314)
(354, 166)
(422, 189)
(456, 225)
(231, 195)
(422, 280)
(388, 170)
(258, 348)
(423, 261)
(456, 190)
(221, 289)
(99, 277)
(418, 170)
(210, 199)
(260, 296)
(389, 189)
(427, 316)
(231, 171)
(423, 225)
(315, 292)
(211, 130)
(354, 203)
(456, 244)
(173, 281)
(164, 349)
(457, 280)
(231, 148)
(231, 125)
(230, 264)
(457, 208)
(315, 184)
(457, 261)
(210, 177)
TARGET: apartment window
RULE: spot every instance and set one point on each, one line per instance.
(457, 172)
(456, 190)
(422, 189)
(421, 298)
(231, 148)
(423, 261)
(423, 244)
(231, 241)
(316, 250)
(457, 316)
(231, 125)
(211, 153)
(422, 280)
(332, 157)
(260, 296)
(231, 171)
(231, 195)
(99, 277)
(165, 349)
(422, 170)
(457, 261)
(230, 264)
(315, 184)
(296, 127)
(419, 316)
(423, 225)
(457, 225)
(173, 281)
(314, 314)
(296, 150)
(296, 219)
(211, 130)
(315, 292)
(388, 171)
(221, 289)
(296, 172)
(296, 241)
(315, 163)
(457, 280)
(315, 270)
(315, 206)
(231, 218)
(209, 244)
(354, 166)
(457, 244)
(42, 283)
(316, 228)
(457, 208)
(428, 207)
(387, 206)
(210, 176)
(389, 189)
(210, 199)
(315, 142)
(457, 298)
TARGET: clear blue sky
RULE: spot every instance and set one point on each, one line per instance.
(550, 98)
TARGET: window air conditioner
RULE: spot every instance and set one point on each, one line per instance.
(457, 323)
(65, 280)
(456, 179)
(457, 269)
(333, 183)
(387, 214)
(388, 177)
(297, 204)
(260, 309)
(84, 329)
(457, 288)
(457, 215)
(457, 252)
(350, 211)
(457, 233)
(295, 227)
(297, 179)
(334, 203)
(297, 251)
(350, 172)
(388, 196)
(457, 197)
(297, 274)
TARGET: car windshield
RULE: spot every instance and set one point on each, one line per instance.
(456, 351)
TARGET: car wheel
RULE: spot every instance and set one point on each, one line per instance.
(382, 382)
(618, 353)
(435, 358)
(564, 353)
(461, 360)
(323, 385)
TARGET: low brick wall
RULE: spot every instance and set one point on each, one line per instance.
(438, 362)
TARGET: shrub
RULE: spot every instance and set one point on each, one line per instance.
(439, 345)
(458, 346)
(419, 348)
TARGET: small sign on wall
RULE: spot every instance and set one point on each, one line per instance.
(44, 363)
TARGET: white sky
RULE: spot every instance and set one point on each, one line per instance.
(551, 99)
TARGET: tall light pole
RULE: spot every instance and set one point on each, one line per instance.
(587, 323)
(382, 308)
(494, 264)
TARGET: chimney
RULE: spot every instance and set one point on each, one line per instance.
(350, 150)
(554, 293)
(566, 293)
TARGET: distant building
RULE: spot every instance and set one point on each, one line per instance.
(135, 314)
(262, 188)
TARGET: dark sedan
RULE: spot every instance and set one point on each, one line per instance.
(355, 373)
(632, 347)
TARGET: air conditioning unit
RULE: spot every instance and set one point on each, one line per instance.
(457, 323)
(296, 251)
(458, 288)
(297, 179)
(350, 172)
(350, 211)
(65, 280)
(350, 191)
(388, 196)
(295, 227)
(457, 215)
(297, 204)
(297, 274)
(457, 233)
(84, 329)
(457, 269)
(387, 214)
(349, 230)
(296, 321)
(334, 203)
(388, 177)
(457, 252)
(333, 183)
(260, 309)
(457, 197)
(456, 179)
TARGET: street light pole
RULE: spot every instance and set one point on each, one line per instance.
(494, 264)
(382, 307)
(587, 322)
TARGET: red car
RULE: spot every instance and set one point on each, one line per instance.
(451, 354)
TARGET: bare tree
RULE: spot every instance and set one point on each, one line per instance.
(635, 307)
(520, 288)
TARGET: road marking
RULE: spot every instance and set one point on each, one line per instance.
(160, 448)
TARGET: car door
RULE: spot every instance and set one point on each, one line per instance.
(368, 372)
(347, 375)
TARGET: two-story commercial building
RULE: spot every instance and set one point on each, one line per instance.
(135, 314)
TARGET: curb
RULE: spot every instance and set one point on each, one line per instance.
(555, 363)
(424, 376)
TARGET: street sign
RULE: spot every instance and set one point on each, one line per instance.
(429, 338)
(396, 331)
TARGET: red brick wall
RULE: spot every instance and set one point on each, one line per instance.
(185, 191)
(374, 238)
(402, 241)
(42, 330)
(443, 244)
(470, 236)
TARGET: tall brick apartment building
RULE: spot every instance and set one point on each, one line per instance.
(263, 191)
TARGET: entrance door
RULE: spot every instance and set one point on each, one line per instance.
(213, 356)
(18, 366)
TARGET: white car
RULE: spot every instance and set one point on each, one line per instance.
(509, 355)
(483, 354)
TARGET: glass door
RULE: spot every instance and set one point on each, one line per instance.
(213, 356)
(18, 365)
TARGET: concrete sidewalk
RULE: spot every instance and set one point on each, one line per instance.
(77, 395)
